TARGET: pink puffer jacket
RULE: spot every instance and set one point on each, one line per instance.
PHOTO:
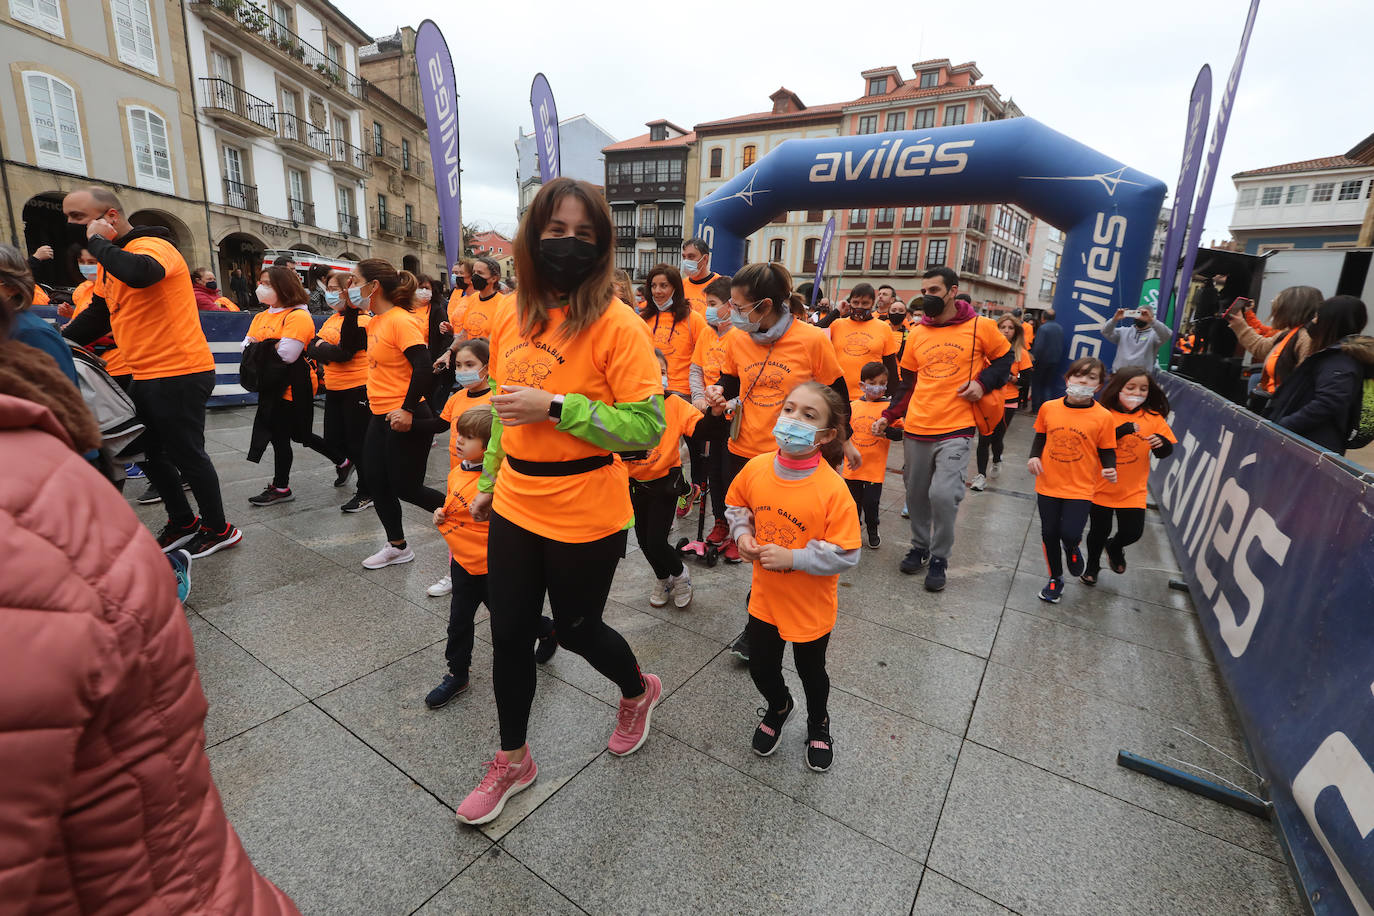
(106, 801)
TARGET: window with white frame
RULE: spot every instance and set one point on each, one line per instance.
(1350, 190)
(775, 250)
(133, 28)
(152, 151)
(1247, 197)
(1297, 194)
(56, 127)
(1272, 196)
(1322, 191)
(46, 14)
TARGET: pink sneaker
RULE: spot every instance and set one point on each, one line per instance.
(503, 780)
(632, 722)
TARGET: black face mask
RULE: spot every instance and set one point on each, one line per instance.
(479, 282)
(931, 305)
(1142, 323)
(76, 235)
(897, 317)
(566, 262)
(213, 284)
(861, 314)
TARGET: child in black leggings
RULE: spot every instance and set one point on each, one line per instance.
(1074, 447)
(1011, 393)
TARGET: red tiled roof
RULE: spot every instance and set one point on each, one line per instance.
(965, 65)
(1325, 163)
(877, 70)
(813, 111)
(933, 60)
(913, 91)
(643, 142)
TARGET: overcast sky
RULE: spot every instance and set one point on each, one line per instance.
(1111, 74)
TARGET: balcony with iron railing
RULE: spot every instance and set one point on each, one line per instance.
(625, 235)
(296, 134)
(241, 196)
(236, 108)
(382, 151)
(413, 165)
(647, 231)
(977, 222)
(234, 17)
(971, 265)
(301, 211)
(348, 223)
(668, 233)
(416, 231)
(349, 159)
(387, 223)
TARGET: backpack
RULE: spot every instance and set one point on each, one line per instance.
(113, 409)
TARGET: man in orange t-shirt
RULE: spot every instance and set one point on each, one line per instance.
(142, 294)
(861, 338)
(952, 358)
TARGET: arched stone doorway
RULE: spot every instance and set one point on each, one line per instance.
(180, 233)
(411, 263)
(46, 224)
(301, 246)
(240, 251)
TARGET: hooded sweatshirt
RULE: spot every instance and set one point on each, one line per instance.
(1136, 346)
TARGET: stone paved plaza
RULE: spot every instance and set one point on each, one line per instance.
(975, 734)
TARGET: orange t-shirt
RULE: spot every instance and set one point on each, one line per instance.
(942, 356)
(873, 449)
(466, 538)
(1011, 391)
(612, 362)
(460, 402)
(1132, 460)
(696, 292)
(115, 364)
(1073, 435)
(1029, 329)
(802, 353)
(158, 327)
(859, 342)
(287, 324)
(708, 352)
(455, 307)
(473, 316)
(677, 340)
(682, 421)
(343, 376)
(389, 335)
(792, 514)
(40, 297)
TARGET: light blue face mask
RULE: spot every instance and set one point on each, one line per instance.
(331, 298)
(665, 306)
(88, 270)
(355, 295)
(687, 267)
(467, 379)
(744, 324)
(793, 436)
(712, 315)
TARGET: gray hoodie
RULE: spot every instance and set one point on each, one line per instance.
(1136, 346)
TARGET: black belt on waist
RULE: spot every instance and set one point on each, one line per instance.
(558, 468)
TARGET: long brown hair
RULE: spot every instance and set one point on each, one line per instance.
(681, 307)
(15, 272)
(767, 281)
(1018, 340)
(832, 451)
(398, 285)
(1155, 400)
(1295, 306)
(534, 294)
(286, 285)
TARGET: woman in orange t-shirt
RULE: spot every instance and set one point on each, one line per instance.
(794, 520)
(575, 381)
(1138, 407)
(1074, 447)
(340, 347)
(1015, 334)
(396, 448)
(285, 412)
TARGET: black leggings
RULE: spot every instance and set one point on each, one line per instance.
(521, 568)
(283, 424)
(346, 419)
(867, 497)
(1130, 527)
(993, 442)
(654, 502)
(395, 465)
(715, 458)
(1061, 523)
(765, 667)
(469, 592)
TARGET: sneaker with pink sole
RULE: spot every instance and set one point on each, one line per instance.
(503, 780)
(632, 722)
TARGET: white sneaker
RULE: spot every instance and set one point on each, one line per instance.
(441, 588)
(659, 596)
(906, 512)
(390, 555)
(680, 589)
(978, 483)
(996, 466)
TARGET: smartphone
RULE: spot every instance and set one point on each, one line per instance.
(1239, 301)
(1132, 314)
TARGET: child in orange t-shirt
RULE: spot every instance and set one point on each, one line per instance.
(991, 445)
(866, 484)
(1074, 448)
(714, 430)
(1138, 407)
(794, 520)
(655, 484)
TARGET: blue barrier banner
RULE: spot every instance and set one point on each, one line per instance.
(1276, 540)
(545, 127)
(439, 91)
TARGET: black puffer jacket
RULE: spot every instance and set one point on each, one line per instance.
(1321, 399)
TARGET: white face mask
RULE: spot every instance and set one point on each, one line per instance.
(424, 295)
(1080, 392)
(665, 381)
(1131, 401)
(267, 296)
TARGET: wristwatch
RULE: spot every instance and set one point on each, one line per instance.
(556, 408)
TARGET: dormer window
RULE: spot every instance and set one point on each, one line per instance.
(930, 79)
(658, 132)
(877, 86)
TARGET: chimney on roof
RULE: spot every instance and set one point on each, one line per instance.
(785, 100)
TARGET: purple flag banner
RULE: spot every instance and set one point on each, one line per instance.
(821, 258)
(1194, 137)
(440, 94)
(545, 127)
(1209, 171)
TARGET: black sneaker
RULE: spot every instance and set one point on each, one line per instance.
(740, 647)
(1074, 562)
(769, 731)
(270, 496)
(343, 471)
(357, 504)
(448, 688)
(914, 561)
(547, 643)
(820, 747)
(935, 576)
(149, 497)
(874, 539)
(1053, 591)
(173, 536)
(208, 542)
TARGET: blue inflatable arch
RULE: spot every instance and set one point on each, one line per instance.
(1107, 210)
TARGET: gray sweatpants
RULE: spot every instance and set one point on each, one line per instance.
(934, 487)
